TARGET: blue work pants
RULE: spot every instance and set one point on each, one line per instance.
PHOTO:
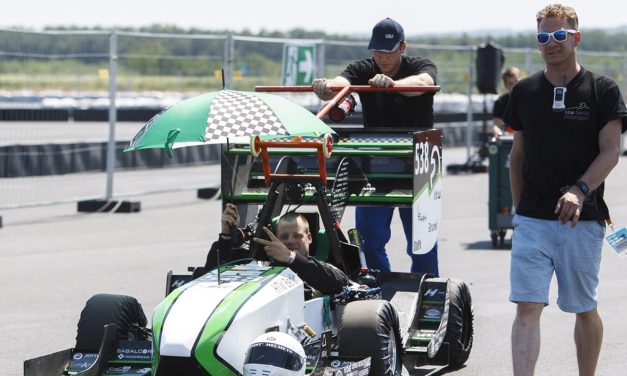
(373, 224)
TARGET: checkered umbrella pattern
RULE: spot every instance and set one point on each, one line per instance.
(237, 114)
(224, 115)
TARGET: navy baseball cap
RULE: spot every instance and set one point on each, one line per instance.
(387, 35)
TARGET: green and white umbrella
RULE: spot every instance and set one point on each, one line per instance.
(216, 117)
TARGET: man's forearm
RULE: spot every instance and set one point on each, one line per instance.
(422, 79)
(602, 165)
(600, 168)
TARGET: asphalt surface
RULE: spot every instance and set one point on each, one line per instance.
(53, 259)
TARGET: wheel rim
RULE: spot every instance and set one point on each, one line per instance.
(392, 352)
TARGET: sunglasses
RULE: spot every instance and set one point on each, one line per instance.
(559, 35)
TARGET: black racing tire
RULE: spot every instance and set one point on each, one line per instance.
(103, 309)
(459, 331)
(369, 328)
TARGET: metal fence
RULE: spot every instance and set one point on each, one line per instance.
(77, 73)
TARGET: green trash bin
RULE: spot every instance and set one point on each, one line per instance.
(500, 200)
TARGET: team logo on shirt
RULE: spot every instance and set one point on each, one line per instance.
(581, 112)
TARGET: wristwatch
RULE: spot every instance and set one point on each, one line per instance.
(583, 187)
(292, 257)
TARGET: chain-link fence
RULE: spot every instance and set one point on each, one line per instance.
(71, 100)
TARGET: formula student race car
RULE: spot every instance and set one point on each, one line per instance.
(385, 324)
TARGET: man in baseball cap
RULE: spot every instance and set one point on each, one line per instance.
(387, 35)
(388, 66)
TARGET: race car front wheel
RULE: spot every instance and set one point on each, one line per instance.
(459, 331)
(369, 328)
(103, 309)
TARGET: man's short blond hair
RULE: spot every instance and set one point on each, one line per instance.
(559, 11)
(290, 217)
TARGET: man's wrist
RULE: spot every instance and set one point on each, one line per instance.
(291, 258)
(582, 186)
(225, 236)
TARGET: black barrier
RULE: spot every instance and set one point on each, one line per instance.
(58, 159)
(145, 114)
(35, 114)
(141, 114)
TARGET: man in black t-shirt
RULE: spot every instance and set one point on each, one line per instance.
(567, 131)
(510, 76)
(388, 67)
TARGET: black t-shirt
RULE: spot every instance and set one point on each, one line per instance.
(500, 104)
(560, 146)
(393, 109)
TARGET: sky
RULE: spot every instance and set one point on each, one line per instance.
(352, 17)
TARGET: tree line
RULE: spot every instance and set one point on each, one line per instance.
(42, 60)
(593, 40)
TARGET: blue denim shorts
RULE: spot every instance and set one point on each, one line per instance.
(541, 247)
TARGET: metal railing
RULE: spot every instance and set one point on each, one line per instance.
(114, 70)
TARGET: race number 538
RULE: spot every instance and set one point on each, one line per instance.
(421, 164)
(427, 161)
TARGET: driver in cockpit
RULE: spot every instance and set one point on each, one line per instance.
(289, 247)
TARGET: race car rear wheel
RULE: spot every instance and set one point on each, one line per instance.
(103, 309)
(459, 331)
(369, 328)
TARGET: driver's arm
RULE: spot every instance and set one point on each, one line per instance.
(222, 247)
(323, 277)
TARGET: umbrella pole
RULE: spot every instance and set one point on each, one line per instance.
(218, 260)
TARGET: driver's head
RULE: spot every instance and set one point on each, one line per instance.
(293, 231)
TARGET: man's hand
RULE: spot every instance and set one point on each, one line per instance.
(273, 247)
(230, 217)
(322, 87)
(569, 206)
(381, 80)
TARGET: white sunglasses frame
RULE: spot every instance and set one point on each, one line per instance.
(552, 35)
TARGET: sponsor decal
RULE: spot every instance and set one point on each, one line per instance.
(417, 244)
(427, 190)
(437, 194)
(431, 292)
(82, 361)
(433, 227)
(337, 367)
(178, 283)
(432, 313)
(134, 350)
(580, 113)
(118, 370)
(282, 284)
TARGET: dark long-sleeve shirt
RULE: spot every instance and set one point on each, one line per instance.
(316, 274)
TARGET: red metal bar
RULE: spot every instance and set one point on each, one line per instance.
(355, 88)
(333, 102)
(293, 88)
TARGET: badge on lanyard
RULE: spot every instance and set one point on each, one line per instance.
(618, 241)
